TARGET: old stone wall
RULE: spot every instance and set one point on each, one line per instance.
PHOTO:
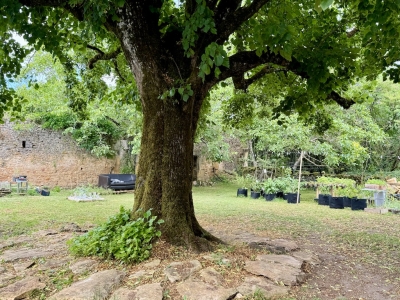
(48, 158)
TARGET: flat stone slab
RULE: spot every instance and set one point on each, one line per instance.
(288, 275)
(98, 286)
(211, 276)
(53, 264)
(11, 255)
(6, 277)
(20, 289)
(307, 257)
(6, 244)
(179, 271)
(23, 266)
(142, 274)
(278, 246)
(83, 266)
(152, 291)
(152, 264)
(266, 286)
(282, 259)
(198, 290)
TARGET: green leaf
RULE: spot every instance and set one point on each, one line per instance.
(219, 60)
(325, 4)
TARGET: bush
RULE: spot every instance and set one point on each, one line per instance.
(119, 238)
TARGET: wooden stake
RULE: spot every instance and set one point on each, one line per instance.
(298, 186)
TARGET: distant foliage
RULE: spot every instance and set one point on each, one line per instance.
(119, 238)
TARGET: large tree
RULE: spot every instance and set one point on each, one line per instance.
(177, 51)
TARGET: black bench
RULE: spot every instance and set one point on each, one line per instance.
(117, 181)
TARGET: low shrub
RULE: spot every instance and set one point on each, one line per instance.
(119, 238)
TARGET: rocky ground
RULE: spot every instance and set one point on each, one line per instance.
(38, 266)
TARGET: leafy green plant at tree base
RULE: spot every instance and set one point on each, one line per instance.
(119, 238)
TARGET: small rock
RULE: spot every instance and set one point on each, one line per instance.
(197, 290)
(97, 286)
(267, 287)
(20, 289)
(83, 266)
(179, 271)
(152, 264)
(23, 266)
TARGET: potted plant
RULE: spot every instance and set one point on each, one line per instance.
(324, 196)
(280, 184)
(243, 183)
(290, 190)
(342, 192)
(256, 187)
(360, 201)
(270, 189)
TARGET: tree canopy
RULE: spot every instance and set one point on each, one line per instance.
(174, 53)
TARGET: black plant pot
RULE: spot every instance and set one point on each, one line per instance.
(292, 198)
(280, 195)
(269, 197)
(242, 192)
(346, 202)
(323, 199)
(336, 202)
(358, 204)
(255, 195)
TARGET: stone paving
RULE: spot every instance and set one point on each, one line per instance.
(28, 261)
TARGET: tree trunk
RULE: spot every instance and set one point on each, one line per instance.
(164, 179)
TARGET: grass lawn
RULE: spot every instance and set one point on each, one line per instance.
(217, 206)
(368, 244)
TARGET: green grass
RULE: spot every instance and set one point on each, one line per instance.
(25, 214)
(218, 206)
(359, 231)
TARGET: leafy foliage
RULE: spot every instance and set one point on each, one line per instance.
(119, 238)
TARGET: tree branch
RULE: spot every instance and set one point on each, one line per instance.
(117, 70)
(244, 61)
(228, 20)
(343, 102)
(101, 56)
(242, 84)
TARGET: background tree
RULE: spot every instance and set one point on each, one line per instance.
(177, 53)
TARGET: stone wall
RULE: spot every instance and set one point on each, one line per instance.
(48, 158)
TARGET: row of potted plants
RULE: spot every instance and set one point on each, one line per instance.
(269, 188)
(340, 193)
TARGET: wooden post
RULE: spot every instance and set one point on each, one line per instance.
(298, 186)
